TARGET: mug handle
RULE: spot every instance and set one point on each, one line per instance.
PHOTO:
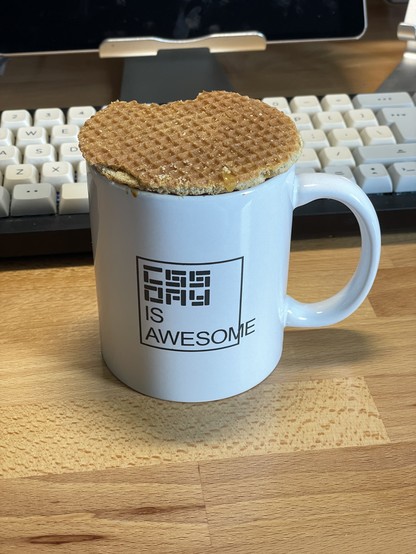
(309, 187)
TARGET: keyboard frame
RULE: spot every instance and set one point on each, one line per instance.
(46, 234)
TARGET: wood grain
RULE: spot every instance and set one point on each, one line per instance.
(346, 500)
(130, 430)
(109, 511)
(319, 457)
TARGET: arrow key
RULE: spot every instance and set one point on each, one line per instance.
(403, 175)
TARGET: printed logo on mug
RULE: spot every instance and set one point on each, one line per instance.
(191, 207)
(180, 305)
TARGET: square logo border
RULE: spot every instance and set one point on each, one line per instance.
(238, 258)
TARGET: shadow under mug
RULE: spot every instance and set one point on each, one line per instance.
(192, 289)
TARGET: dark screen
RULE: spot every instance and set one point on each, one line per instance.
(51, 25)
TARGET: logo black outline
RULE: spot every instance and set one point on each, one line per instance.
(238, 258)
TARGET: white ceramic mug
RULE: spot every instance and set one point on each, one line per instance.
(192, 290)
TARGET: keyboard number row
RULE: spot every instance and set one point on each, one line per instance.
(46, 117)
(341, 102)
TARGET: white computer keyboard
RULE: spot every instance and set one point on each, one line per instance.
(369, 138)
(42, 171)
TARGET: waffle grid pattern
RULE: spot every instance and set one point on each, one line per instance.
(217, 143)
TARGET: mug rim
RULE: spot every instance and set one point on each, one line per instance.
(135, 192)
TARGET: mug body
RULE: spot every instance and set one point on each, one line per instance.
(191, 289)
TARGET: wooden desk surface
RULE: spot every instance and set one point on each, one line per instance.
(320, 457)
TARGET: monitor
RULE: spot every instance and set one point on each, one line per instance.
(182, 33)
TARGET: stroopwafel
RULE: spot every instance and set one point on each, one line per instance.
(216, 143)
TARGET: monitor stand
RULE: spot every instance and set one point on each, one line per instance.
(403, 77)
(172, 75)
(160, 70)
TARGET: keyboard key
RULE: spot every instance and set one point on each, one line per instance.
(278, 102)
(300, 169)
(57, 173)
(345, 137)
(82, 172)
(377, 135)
(309, 158)
(337, 102)
(48, 117)
(336, 155)
(9, 155)
(78, 115)
(373, 178)
(74, 198)
(358, 119)
(404, 176)
(20, 174)
(6, 137)
(328, 120)
(30, 135)
(13, 119)
(385, 153)
(341, 170)
(70, 152)
(302, 120)
(4, 202)
(38, 154)
(64, 133)
(387, 116)
(39, 199)
(379, 100)
(305, 104)
(315, 139)
(405, 129)
(401, 121)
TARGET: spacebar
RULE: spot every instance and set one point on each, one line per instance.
(385, 153)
